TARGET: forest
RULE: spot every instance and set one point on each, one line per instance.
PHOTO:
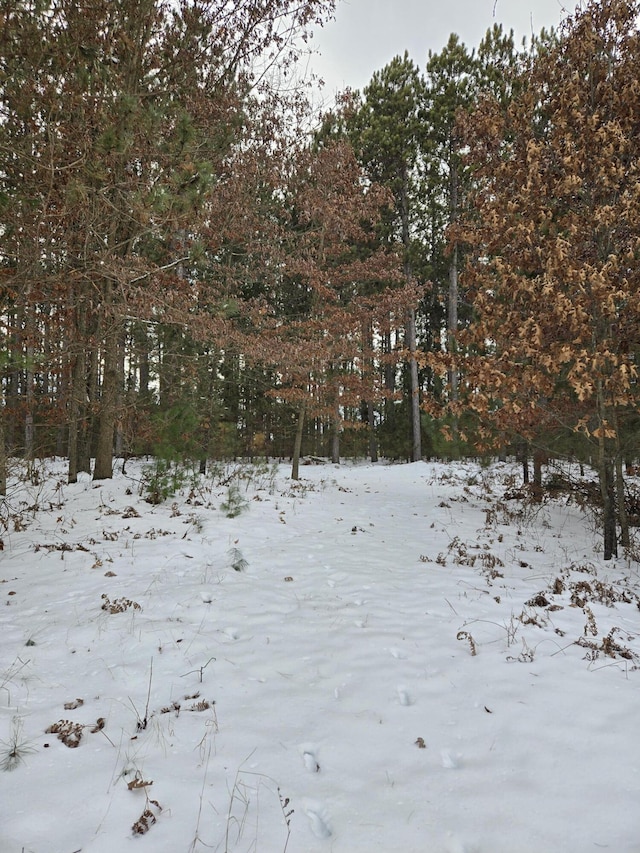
(195, 265)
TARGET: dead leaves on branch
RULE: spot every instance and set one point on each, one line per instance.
(551, 231)
(148, 817)
(118, 605)
(70, 733)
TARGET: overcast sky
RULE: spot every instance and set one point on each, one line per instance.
(367, 34)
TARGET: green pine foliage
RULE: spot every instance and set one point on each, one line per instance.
(234, 504)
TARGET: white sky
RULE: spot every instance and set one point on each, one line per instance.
(367, 34)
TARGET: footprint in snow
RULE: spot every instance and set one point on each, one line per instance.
(232, 633)
(339, 690)
(398, 654)
(310, 757)
(458, 845)
(404, 697)
(318, 819)
(450, 760)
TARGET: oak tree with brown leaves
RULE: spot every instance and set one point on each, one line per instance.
(554, 241)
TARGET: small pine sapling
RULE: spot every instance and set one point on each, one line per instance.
(14, 750)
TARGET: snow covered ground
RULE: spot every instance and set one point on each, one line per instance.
(388, 658)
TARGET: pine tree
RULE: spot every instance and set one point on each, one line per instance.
(117, 126)
(388, 132)
(452, 88)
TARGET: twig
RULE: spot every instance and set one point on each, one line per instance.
(196, 837)
(146, 707)
(562, 649)
(200, 670)
(160, 269)
(451, 606)
(231, 801)
(102, 731)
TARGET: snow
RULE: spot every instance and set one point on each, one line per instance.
(371, 679)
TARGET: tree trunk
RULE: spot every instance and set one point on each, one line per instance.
(523, 453)
(29, 352)
(623, 518)
(410, 330)
(297, 447)
(336, 422)
(12, 377)
(452, 313)
(29, 453)
(368, 369)
(74, 416)
(452, 322)
(373, 444)
(608, 509)
(454, 298)
(625, 536)
(540, 458)
(207, 392)
(605, 476)
(3, 457)
(90, 402)
(78, 395)
(416, 448)
(335, 441)
(103, 469)
(389, 379)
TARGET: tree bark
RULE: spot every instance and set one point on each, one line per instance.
(367, 376)
(416, 448)
(3, 457)
(523, 453)
(335, 441)
(621, 505)
(90, 394)
(14, 346)
(103, 469)
(452, 322)
(452, 313)
(608, 510)
(606, 480)
(74, 417)
(336, 422)
(416, 431)
(297, 447)
(625, 536)
(540, 458)
(77, 395)
(454, 297)
(29, 436)
(373, 444)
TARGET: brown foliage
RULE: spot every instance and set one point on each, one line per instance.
(553, 235)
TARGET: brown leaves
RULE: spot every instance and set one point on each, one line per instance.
(118, 605)
(70, 733)
(138, 783)
(465, 635)
(552, 237)
(147, 818)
